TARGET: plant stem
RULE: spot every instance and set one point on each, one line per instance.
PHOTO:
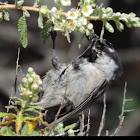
(30, 8)
(10, 6)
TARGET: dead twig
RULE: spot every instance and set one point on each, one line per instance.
(14, 84)
(17, 66)
(58, 112)
(88, 123)
(82, 124)
(121, 116)
(103, 116)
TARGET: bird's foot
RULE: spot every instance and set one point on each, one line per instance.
(55, 62)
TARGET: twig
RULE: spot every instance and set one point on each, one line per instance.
(103, 116)
(58, 112)
(107, 133)
(14, 83)
(30, 8)
(82, 124)
(88, 123)
(17, 66)
(10, 6)
(121, 116)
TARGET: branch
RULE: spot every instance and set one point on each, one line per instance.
(17, 66)
(82, 124)
(23, 8)
(30, 8)
(103, 117)
(10, 6)
(121, 116)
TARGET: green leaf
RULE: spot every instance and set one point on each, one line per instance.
(3, 114)
(109, 27)
(119, 26)
(36, 3)
(22, 28)
(37, 107)
(6, 131)
(13, 107)
(71, 132)
(24, 131)
(68, 37)
(19, 121)
(20, 2)
(6, 15)
(29, 118)
(45, 33)
(69, 127)
(16, 98)
(16, 3)
(33, 110)
(81, 40)
(40, 21)
(22, 103)
(26, 13)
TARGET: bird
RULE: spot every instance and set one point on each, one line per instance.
(77, 84)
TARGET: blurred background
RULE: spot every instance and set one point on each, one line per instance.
(38, 56)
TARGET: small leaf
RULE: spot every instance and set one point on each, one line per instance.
(6, 15)
(68, 37)
(45, 33)
(71, 132)
(69, 127)
(81, 40)
(33, 110)
(10, 117)
(31, 126)
(29, 118)
(6, 123)
(40, 21)
(109, 27)
(26, 13)
(6, 131)
(19, 121)
(36, 3)
(16, 98)
(12, 107)
(37, 107)
(22, 103)
(2, 114)
(24, 131)
(119, 26)
(22, 28)
(20, 2)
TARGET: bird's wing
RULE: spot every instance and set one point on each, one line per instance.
(90, 99)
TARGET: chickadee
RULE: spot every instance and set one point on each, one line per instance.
(79, 83)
